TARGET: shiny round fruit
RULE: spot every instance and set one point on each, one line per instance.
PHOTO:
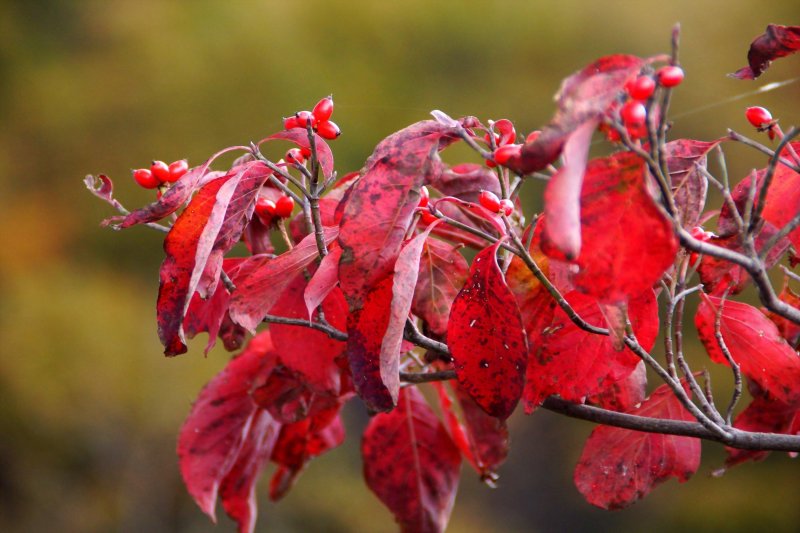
(507, 206)
(641, 88)
(427, 218)
(532, 136)
(265, 209)
(424, 197)
(284, 206)
(505, 128)
(633, 113)
(328, 130)
(323, 110)
(177, 169)
(758, 116)
(303, 118)
(506, 152)
(490, 201)
(295, 155)
(670, 76)
(145, 178)
(160, 170)
(290, 123)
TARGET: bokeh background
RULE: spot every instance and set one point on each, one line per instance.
(89, 409)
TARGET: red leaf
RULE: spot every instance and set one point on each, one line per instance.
(482, 439)
(562, 205)
(411, 464)
(754, 343)
(238, 489)
(486, 338)
(689, 185)
(366, 327)
(380, 207)
(312, 354)
(620, 466)
(627, 242)
(442, 273)
(257, 293)
(299, 443)
(788, 329)
(775, 42)
(625, 394)
(406, 271)
(324, 280)
(584, 96)
(300, 138)
(215, 435)
(574, 363)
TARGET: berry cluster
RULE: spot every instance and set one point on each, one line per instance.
(268, 210)
(319, 118)
(490, 201)
(160, 173)
(503, 134)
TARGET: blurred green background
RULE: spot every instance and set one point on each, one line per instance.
(89, 409)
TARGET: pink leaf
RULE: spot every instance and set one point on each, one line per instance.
(324, 279)
(486, 338)
(689, 186)
(411, 464)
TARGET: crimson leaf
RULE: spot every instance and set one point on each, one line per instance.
(486, 338)
(685, 158)
(411, 464)
(775, 42)
(442, 272)
(620, 466)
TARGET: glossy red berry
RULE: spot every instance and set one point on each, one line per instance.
(160, 170)
(295, 155)
(506, 152)
(633, 113)
(507, 206)
(284, 206)
(290, 123)
(323, 110)
(641, 88)
(505, 129)
(424, 197)
(670, 76)
(177, 169)
(303, 118)
(265, 210)
(145, 178)
(428, 218)
(490, 201)
(758, 116)
(328, 130)
(532, 136)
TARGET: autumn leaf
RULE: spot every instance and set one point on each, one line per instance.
(466, 181)
(619, 466)
(324, 280)
(625, 394)
(788, 329)
(685, 159)
(574, 363)
(754, 344)
(442, 273)
(257, 293)
(628, 241)
(486, 338)
(225, 437)
(411, 464)
(776, 42)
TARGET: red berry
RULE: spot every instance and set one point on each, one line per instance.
(641, 88)
(160, 170)
(295, 155)
(759, 117)
(506, 152)
(290, 123)
(670, 76)
(145, 178)
(532, 136)
(306, 151)
(633, 113)
(424, 197)
(303, 118)
(490, 201)
(177, 169)
(323, 110)
(328, 130)
(265, 208)
(490, 163)
(428, 218)
(284, 206)
(506, 130)
(507, 206)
